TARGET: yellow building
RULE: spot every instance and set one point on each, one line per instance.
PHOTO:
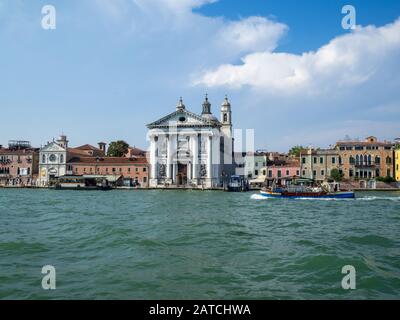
(397, 162)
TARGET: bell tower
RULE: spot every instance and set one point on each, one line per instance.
(226, 117)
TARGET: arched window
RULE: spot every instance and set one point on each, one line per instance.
(377, 160)
(365, 159)
(43, 158)
(62, 158)
(369, 160)
(388, 160)
(357, 159)
(225, 117)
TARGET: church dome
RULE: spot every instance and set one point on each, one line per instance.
(206, 113)
(209, 116)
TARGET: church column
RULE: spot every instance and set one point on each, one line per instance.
(174, 146)
(195, 152)
(153, 157)
(209, 158)
(169, 157)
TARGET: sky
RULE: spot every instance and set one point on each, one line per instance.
(292, 73)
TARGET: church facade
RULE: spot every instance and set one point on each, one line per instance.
(191, 150)
(53, 160)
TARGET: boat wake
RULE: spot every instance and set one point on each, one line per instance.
(367, 198)
(258, 197)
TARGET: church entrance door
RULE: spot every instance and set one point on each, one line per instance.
(182, 174)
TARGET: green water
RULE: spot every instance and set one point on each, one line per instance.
(196, 245)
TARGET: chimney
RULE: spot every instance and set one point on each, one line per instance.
(102, 146)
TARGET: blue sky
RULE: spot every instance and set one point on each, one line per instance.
(291, 72)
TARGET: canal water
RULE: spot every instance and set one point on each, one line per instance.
(197, 245)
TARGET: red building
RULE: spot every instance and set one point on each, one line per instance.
(134, 170)
(19, 164)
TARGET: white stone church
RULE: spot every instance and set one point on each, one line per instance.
(191, 150)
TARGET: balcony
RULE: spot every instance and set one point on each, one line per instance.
(365, 164)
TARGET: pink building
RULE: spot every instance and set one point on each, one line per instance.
(282, 171)
(19, 164)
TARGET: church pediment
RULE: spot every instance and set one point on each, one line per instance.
(52, 147)
(182, 119)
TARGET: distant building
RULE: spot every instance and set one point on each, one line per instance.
(53, 158)
(53, 161)
(318, 164)
(18, 164)
(191, 150)
(134, 170)
(255, 165)
(397, 160)
(366, 159)
(135, 152)
(282, 171)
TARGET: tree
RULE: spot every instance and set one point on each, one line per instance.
(336, 175)
(387, 179)
(117, 148)
(295, 151)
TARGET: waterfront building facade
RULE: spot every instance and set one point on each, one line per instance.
(191, 150)
(134, 170)
(18, 164)
(283, 171)
(255, 164)
(366, 159)
(53, 161)
(397, 160)
(317, 164)
(55, 155)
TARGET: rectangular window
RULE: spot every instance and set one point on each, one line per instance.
(314, 173)
(287, 173)
(321, 160)
(144, 169)
(279, 173)
(256, 172)
(297, 173)
(270, 173)
(303, 160)
(315, 160)
(322, 172)
(333, 160)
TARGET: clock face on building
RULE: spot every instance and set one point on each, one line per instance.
(52, 157)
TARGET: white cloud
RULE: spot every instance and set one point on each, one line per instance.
(346, 61)
(251, 34)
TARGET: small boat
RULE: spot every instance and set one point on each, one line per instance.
(80, 183)
(304, 191)
(236, 184)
